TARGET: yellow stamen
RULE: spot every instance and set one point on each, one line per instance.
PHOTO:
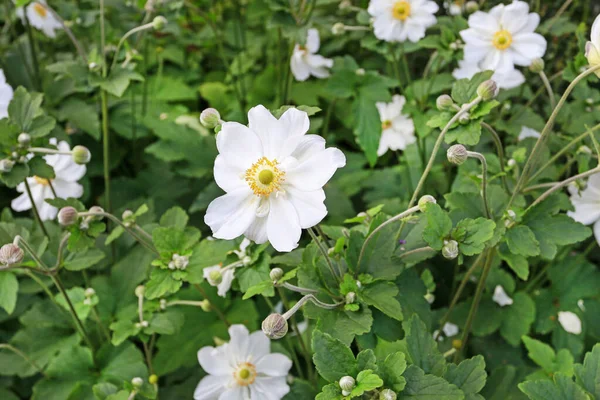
(502, 39)
(264, 177)
(41, 181)
(245, 374)
(40, 9)
(401, 10)
(386, 125)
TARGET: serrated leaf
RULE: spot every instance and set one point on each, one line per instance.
(588, 373)
(517, 318)
(332, 358)
(9, 286)
(392, 369)
(421, 386)
(521, 241)
(561, 388)
(422, 348)
(472, 235)
(438, 226)
(161, 283)
(365, 381)
(381, 295)
(469, 376)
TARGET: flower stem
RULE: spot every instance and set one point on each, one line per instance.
(213, 306)
(309, 297)
(23, 356)
(70, 34)
(500, 150)
(324, 253)
(416, 251)
(298, 289)
(124, 38)
(34, 208)
(481, 158)
(548, 87)
(36, 66)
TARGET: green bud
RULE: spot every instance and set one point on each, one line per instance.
(537, 66)
(350, 298)
(275, 326)
(81, 155)
(450, 249)
(137, 382)
(444, 103)
(387, 394)
(276, 274)
(159, 22)
(210, 118)
(338, 28)
(488, 90)
(24, 139)
(424, 200)
(457, 154)
(140, 290)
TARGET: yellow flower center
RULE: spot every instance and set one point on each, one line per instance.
(386, 125)
(264, 177)
(401, 10)
(502, 39)
(41, 181)
(40, 9)
(245, 374)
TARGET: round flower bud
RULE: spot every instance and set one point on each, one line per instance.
(464, 118)
(210, 118)
(67, 216)
(92, 65)
(450, 249)
(471, 7)
(512, 162)
(430, 298)
(153, 379)
(247, 260)
(424, 200)
(81, 155)
(360, 72)
(140, 290)
(387, 394)
(159, 22)
(11, 254)
(24, 139)
(350, 297)
(338, 28)
(275, 326)
(205, 305)
(90, 292)
(347, 384)
(127, 214)
(537, 66)
(97, 210)
(144, 324)
(137, 382)
(180, 262)
(444, 103)
(457, 344)
(163, 304)
(276, 274)
(457, 154)
(6, 165)
(215, 277)
(488, 90)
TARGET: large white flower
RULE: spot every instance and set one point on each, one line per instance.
(273, 175)
(587, 204)
(398, 130)
(65, 184)
(306, 62)
(570, 322)
(506, 79)
(502, 38)
(243, 369)
(40, 17)
(592, 48)
(401, 20)
(6, 95)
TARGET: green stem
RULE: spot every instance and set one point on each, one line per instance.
(35, 209)
(500, 151)
(106, 150)
(324, 253)
(24, 357)
(36, 66)
(213, 307)
(548, 87)
(481, 158)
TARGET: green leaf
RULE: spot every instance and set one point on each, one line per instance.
(588, 374)
(259, 288)
(17, 174)
(517, 318)
(420, 386)
(561, 388)
(122, 330)
(469, 376)
(332, 358)
(24, 107)
(381, 295)
(38, 167)
(550, 362)
(365, 381)
(161, 283)
(472, 235)
(9, 286)
(553, 231)
(330, 392)
(117, 82)
(438, 226)
(78, 300)
(84, 260)
(522, 241)
(175, 217)
(467, 134)
(465, 90)
(422, 348)
(392, 369)
(169, 240)
(41, 126)
(517, 263)
(367, 126)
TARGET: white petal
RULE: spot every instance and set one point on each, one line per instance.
(515, 16)
(212, 361)
(239, 145)
(231, 214)
(21, 203)
(269, 388)
(210, 387)
(527, 133)
(279, 137)
(450, 329)
(299, 67)
(309, 145)
(225, 285)
(500, 297)
(529, 46)
(274, 365)
(283, 226)
(236, 393)
(257, 231)
(484, 23)
(319, 65)
(65, 189)
(239, 344)
(310, 206)
(312, 40)
(595, 34)
(260, 345)
(509, 79)
(229, 177)
(597, 231)
(383, 27)
(314, 172)
(570, 322)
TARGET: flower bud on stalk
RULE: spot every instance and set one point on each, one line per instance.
(215, 277)
(137, 382)
(488, 90)
(424, 200)
(387, 394)
(81, 155)
(350, 298)
(338, 29)
(6, 165)
(450, 249)
(457, 154)
(67, 216)
(159, 22)
(140, 290)
(347, 383)
(275, 326)
(444, 103)
(276, 274)
(153, 379)
(471, 7)
(537, 66)
(11, 254)
(210, 118)
(97, 210)
(90, 292)
(464, 118)
(24, 139)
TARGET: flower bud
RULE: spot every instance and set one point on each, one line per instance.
(450, 249)
(210, 118)
(275, 326)
(24, 139)
(153, 379)
(127, 214)
(90, 292)
(488, 90)
(511, 163)
(464, 118)
(457, 344)
(205, 305)
(457, 154)
(347, 384)
(97, 210)
(215, 277)
(387, 394)
(11, 254)
(67, 216)
(6, 165)
(471, 6)
(163, 304)
(180, 262)
(140, 290)
(424, 200)
(159, 22)
(537, 66)
(137, 382)
(81, 155)
(430, 298)
(360, 72)
(444, 103)
(345, 4)
(247, 261)
(144, 324)
(276, 274)
(338, 28)
(350, 297)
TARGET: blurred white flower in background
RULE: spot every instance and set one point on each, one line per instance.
(306, 62)
(40, 17)
(65, 184)
(243, 369)
(592, 48)
(273, 174)
(528, 133)
(401, 20)
(500, 297)
(454, 7)
(398, 130)
(6, 95)
(587, 204)
(570, 322)
(507, 79)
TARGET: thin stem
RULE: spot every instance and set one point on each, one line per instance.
(124, 38)
(324, 253)
(44, 150)
(330, 108)
(62, 290)
(36, 65)
(140, 308)
(298, 289)
(314, 300)
(34, 208)
(69, 33)
(23, 356)
(500, 150)
(148, 354)
(397, 69)
(416, 251)
(142, 232)
(186, 303)
(213, 306)
(61, 248)
(103, 327)
(560, 12)
(305, 353)
(106, 149)
(548, 87)
(481, 158)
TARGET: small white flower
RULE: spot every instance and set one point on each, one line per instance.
(219, 277)
(528, 133)
(570, 322)
(500, 297)
(40, 17)
(398, 130)
(306, 62)
(65, 184)
(592, 48)
(587, 204)
(273, 175)
(450, 329)
(454, 7)
(241, 253)
(243, 369)
(401, 20)
(6, 95)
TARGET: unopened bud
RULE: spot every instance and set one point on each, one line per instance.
(512, 162)
(430, 298)
(338, 28)
(205, 305)
(162, 304)
(537, 66)
(247, 260)
(488, 90)
(140, 290)
(11, 254)
(347, 383)
(90, 292)
(97, 210)
(144, 324)
(276, 274)
(387, 394)
(457, 344)
(180, 262)
(6, 165)
(424, 200)
(137, 382)
(471, 6)
(275, 326)
(24, 139)
(345, 4)
(92, 66)
(159, 22)
(81, 155)
(153, 379)
(457, 154)
(67, 216)
(210, 118)
(450, 249)
(350, 297)
(464, 118)
(215, 277)
(127, 214)
(360, 72)
(444, 103)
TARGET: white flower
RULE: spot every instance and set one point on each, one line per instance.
(40, 17)
(273, 175)
(528, 133)
(243, 369)
(6, 95)
(241, 253)
(450, 329)
(570, 322)
(306, 62)
(501, 39)
(587, 204)
(454, 7)
(398, 130)
(592, 48)
(399, 20)
(507, 79)
(65, 184)
(500, 297)
(219, 277)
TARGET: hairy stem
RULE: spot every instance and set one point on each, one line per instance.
(481, 158)
(500, 151)
(34, 208)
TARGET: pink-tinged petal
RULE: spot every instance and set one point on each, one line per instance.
(231, 214)
(313, 173)
(239, 145)
(274, 365)
(210, 387)
(312, 40)
(310, 206)
(260, 345)
(228, 177)
(283, 226)
(213, 362)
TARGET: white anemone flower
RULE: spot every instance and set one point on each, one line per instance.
(243, 369)
(592, 48)
(506, 79)
(500, 297)
(6, 95)
(503, 38)
(587, 204)
(570, 322)
(528, 133)
(64, 184)
(398, 130)
(40, 17)
(402, 20)
(273, 175)
(220, 277)
(306, 62)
